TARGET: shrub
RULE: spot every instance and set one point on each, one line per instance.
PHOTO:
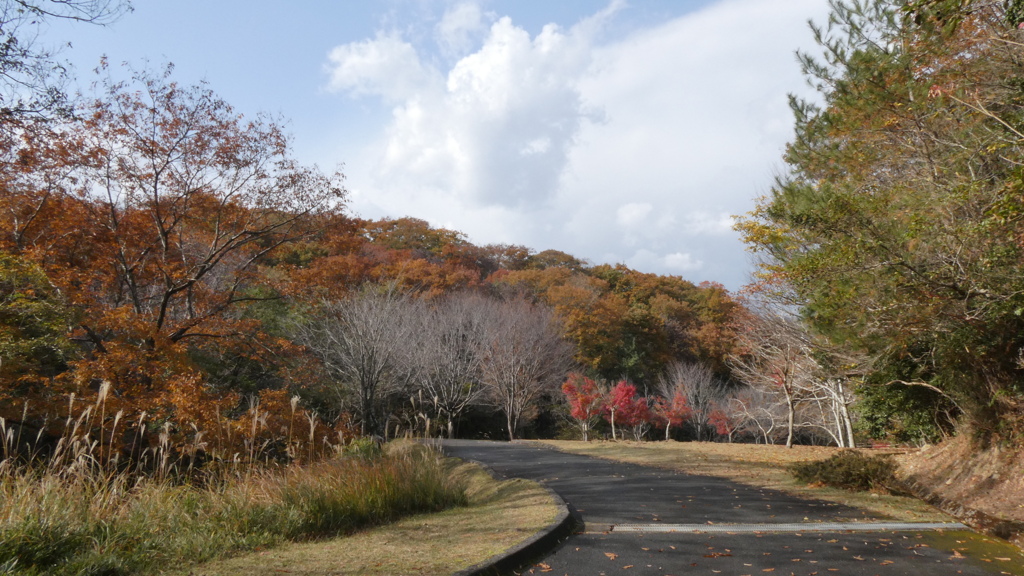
(850, 470)
(365, 448)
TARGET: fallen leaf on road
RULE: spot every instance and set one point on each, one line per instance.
(627, 567)
(611, 556)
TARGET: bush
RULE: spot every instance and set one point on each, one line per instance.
(365, 448)
(851, 470)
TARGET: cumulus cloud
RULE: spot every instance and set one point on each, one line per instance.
(460, 27)
(636, 149)
(386, 66)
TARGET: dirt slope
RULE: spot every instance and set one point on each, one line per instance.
(980, 486)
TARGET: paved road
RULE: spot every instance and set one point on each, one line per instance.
(613, 497)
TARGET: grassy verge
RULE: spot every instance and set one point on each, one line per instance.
(78, 522)
(499, 516)
(757, 465)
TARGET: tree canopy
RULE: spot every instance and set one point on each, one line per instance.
(899, 227)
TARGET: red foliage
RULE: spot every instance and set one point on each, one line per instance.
(630, 410)
(585, 401)
(585, 398)
(724, 424)
(672, 414)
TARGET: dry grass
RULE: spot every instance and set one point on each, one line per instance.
(989, 480)
(89, 523)
(499, 516)
(758, 465)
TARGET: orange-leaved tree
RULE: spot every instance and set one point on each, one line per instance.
(150, 213)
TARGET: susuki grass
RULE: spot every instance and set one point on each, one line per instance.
(89, 524)
(76, 510)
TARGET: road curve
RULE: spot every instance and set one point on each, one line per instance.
(646, 521)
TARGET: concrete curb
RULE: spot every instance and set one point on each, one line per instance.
(538, 545)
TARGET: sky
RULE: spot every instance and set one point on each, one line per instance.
(616, 131)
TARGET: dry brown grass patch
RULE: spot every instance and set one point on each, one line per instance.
(991, 480)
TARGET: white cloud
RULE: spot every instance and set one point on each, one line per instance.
(460, 27)
(675, 263)
(703, 223)
(637, 150)
(633, 214)
(386, 66)
(682, 262)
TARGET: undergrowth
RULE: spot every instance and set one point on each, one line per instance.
(77, 508)
(113, 525)
(851, 470)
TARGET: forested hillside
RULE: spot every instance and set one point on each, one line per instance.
(164, 253)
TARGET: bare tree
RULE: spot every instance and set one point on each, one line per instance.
(523, 356)
(825, 407)
(700, 386)
(444, 354)
(762, 413)
(775, 358)
(809, 376)
(360, 341)
(32, 78)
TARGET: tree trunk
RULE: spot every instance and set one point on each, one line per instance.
(847, 420)
(790, 417)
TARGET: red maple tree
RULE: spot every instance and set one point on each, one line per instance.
(671, 414)
(625, 408)
(585, 402)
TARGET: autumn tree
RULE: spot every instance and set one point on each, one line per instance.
(899, 223)
(625, 408)
(586, 401)
(671, 413)
(32, 78)
(523, 357)
(761, 413)
(361, 342)
(774, 357)
(725, 422)
(151, 211)
(444, 353)
(34, 324)
(701, 389)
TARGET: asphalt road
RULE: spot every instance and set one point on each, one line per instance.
(612, 497)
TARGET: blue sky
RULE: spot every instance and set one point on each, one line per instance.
(616, 131)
